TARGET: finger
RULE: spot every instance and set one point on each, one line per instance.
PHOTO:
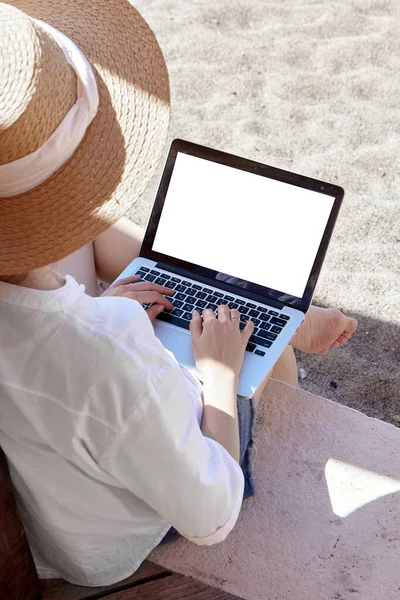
(148, 286)
(126, 280)
(150, 298)
(154, 310)
(235, 316)
(224, 313)
(248, 330)
(208, 315)
(196, 325)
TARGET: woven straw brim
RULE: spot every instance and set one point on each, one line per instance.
(115, 161)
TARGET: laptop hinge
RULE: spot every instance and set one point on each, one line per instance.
(222, 285)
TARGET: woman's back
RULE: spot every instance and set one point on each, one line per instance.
(91, 404)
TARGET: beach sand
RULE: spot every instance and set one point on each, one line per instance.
(312, 87)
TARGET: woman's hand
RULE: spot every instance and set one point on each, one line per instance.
(219, 343)
(144, 292)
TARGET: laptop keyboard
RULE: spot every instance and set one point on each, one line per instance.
(189, 296)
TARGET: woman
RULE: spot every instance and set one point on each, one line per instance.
(110, 442)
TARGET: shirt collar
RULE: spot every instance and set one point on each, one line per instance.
(42, 300)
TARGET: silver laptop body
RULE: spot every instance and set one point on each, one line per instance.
(227, 230)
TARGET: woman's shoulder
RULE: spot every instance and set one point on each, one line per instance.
(118, 331)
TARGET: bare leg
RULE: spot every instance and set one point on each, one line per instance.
(285, 370)
(116, 248)
(322, 329)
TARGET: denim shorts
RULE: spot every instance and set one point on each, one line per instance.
(246, 420)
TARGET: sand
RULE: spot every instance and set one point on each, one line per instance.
(313, 87)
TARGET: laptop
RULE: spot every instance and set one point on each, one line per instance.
(228, 230)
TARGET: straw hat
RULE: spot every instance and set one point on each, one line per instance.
(88, 114)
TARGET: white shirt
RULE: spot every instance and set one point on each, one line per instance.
(101, 429)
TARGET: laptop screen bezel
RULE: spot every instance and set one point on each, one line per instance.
(237, 162)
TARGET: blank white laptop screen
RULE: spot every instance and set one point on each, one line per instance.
(245, 225)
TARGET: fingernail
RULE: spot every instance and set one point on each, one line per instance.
(160, 308)
(195, 314)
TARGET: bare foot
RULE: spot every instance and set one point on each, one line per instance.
(322, 329)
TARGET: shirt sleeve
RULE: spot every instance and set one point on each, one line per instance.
(161, 455)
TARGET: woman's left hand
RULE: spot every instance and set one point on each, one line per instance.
(144, 292)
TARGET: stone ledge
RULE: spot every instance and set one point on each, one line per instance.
(325, 523)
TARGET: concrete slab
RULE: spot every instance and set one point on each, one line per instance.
(325, 522)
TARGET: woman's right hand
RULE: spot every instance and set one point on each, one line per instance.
(218, 343)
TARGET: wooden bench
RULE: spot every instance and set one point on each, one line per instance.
(19, 579)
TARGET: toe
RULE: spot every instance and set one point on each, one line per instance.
(351, 326)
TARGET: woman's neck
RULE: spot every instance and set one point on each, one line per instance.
(45, 278)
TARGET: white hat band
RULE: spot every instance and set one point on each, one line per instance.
(29, 171)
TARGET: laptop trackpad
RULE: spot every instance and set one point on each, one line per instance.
(178, 341)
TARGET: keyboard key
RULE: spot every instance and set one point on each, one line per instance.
(242, 325)
(273, 313)
(191, 292)
(268, 335)
(173, 319)
(233, 305)
(141, 272)
(153, 272)
(165, 275)
(279, 322)
(263, 324)
(212, 306)
(145, 269)
(262, 309)
(207, 291)
(243, 310)
(190, 300)
(264, 317)
(256, 322)
(177, 303)
(187, 307)
(253, 313)
(196, 287)
(218, 294)
(250, 305)
(170, 285)
(259, 352)
(177, 312)
(239, 301)
(201, 304)
(229, 298)
(161, 280)
(149, 277)
(256, 339)
(284, 317)
(187, 315)
(180, 288)
(175, 279)
(250, 347)
(201, 295)
(211, 299)
(186, 283)
(180, 296)
(276, 329)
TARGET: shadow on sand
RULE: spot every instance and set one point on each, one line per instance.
(364, 374)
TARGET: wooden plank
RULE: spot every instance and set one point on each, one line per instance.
(174, 587)
(58, 589)
(18, 577)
